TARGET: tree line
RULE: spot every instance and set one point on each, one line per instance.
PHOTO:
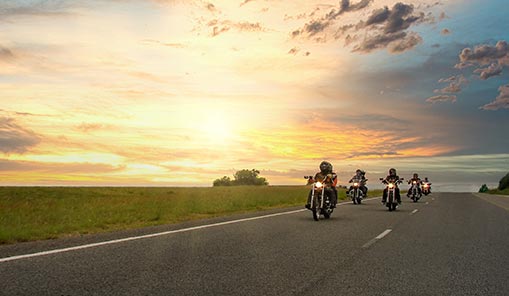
(242, 177)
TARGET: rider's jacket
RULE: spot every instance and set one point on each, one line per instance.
(418, 180)
(392, 179)
(328, 179)
(361, 179)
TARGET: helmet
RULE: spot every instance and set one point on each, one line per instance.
(392, 172)
(325, 167)
(358, 171)
(416, 175)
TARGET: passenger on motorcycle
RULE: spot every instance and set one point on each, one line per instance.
(419, 183)
(359, 175)
(391, 178)
(328, 177)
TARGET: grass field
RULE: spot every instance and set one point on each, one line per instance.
(34, 213)
(500, 192)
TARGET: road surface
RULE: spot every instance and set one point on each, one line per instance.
(446, 244)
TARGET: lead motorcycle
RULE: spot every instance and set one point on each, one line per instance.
(415, 195)
(355, 192)
(320, 198)
(391, 201)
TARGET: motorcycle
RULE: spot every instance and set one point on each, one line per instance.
(426, 188)
(320, 199)
(355, 192)
(415, 195)
(391, 201)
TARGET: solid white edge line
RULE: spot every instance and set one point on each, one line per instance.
(414, 211)
(18, 257)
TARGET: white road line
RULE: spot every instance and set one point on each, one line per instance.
(379, 237)
(414, 211)
(116, 241)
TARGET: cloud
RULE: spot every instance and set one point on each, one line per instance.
(384, 28)
(495, 57)
(6, 54)
(490, 71)
(441, 98)
(246, 2)
(319, 25)
(455, 83)
(88, 127)
(293, 51)
(501, 102)
(219, 27)
(484, 54)
(14, 138)
(398, 19)
(44, 8)
(395, 42)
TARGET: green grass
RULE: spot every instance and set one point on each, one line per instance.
(35, 213)
(500, 192)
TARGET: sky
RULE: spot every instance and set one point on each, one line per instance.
(182, 92)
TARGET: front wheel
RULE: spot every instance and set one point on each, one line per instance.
(316, 214)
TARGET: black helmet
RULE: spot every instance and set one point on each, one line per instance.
(325, 167)
(392, 172)
(416, 175)
(358, 171)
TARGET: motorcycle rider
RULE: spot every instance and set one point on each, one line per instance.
(361, 176)
(419, 183)
(391, 178)
(426, 181)
(328, 177)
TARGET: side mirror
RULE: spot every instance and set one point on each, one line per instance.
(381, 179)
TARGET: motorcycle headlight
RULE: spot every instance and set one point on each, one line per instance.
(318, 185)
(426, 185)
(391, 185)
(355, 184)
(415, 182)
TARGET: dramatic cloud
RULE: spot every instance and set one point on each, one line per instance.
(495, 57)
(384, 28)
(492, 70)
(14, 138)
(441, 98)
(501, 102)
(321, 24)
(398, 19)
(484, 55)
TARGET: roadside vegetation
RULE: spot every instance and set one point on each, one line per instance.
(502, 189)
(34, 213)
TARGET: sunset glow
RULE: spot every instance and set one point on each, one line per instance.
(179, 93)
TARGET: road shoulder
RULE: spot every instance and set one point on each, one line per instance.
(501, 201)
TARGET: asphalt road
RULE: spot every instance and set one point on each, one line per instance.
(446, 244)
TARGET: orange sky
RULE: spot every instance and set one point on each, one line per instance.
(183, 92)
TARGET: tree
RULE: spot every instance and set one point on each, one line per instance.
(224, 181)
(504, 182)
(242, 177)
(249, 177)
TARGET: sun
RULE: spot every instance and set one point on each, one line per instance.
(217, 127)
